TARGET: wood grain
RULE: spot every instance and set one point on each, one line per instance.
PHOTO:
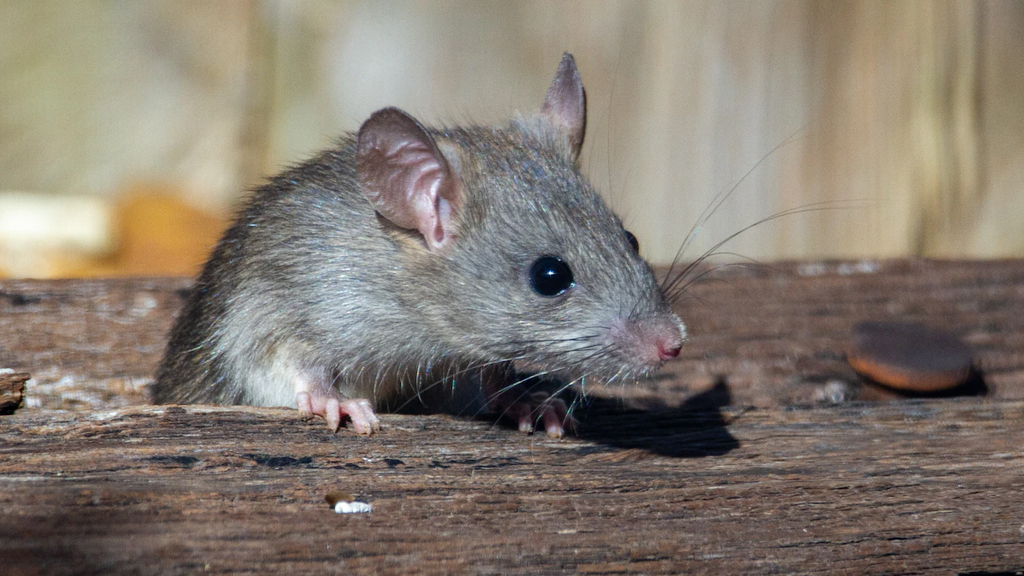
(917, 487)
(89, 344)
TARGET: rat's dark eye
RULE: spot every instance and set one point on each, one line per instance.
(550, 276)
(632, 241)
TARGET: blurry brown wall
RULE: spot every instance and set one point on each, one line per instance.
(905, 118)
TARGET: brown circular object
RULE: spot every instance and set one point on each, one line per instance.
(909, 356)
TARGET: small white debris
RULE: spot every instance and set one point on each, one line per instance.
(835, 392)
(344, 503)
(342, 507)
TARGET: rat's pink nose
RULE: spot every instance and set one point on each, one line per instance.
(669, 350)
(651, 341)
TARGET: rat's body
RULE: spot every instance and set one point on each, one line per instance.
(410, 258)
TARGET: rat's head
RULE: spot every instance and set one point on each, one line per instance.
(513, 254)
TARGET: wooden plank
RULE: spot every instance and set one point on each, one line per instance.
(89, 344)
(913, 487)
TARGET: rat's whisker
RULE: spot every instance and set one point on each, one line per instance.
(724, 195)
(812, 207)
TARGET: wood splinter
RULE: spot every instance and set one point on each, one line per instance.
(12, 390)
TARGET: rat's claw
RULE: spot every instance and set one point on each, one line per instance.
(521, 412)
(304, 404)
(335, 409)
(333, 414)
(364, 421)
(542, 409)
(555, 415)
(553, 425)
(526, 424)
(527, 409)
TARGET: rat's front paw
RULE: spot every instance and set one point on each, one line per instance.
(528, 409)
(334, 409)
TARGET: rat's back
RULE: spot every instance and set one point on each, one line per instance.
(302, 249)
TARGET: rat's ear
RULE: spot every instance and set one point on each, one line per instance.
(406, 177)
(565, 105)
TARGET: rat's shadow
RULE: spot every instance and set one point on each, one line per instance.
(695, 429)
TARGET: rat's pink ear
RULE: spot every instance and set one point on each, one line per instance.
(406, 177)
(565, 105)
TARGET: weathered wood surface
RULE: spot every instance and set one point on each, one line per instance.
(88, 344)
(921, 487)
(719, 466)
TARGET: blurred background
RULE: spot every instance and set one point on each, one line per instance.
(129, 130)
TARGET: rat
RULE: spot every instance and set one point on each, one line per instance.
(409, 258)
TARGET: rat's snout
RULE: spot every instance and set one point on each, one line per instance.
(668, 350)
(651, 340)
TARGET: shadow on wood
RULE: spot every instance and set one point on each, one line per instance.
(694, 430)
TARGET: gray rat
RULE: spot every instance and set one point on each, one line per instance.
(410, 258)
